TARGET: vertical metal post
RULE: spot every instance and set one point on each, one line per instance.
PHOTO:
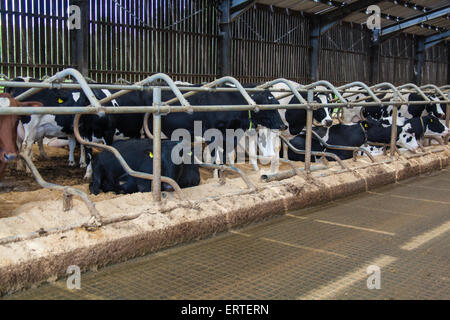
(79, 38)
(418, 61)
(224, 52)
(156, 183)
(374, 57)
(314, 53)
(309, 120)
(447, 117)
(394, 126)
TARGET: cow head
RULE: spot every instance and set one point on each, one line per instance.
(323, 115)
(267, 118)
(406, 137)
(434, 127)
(436, 109)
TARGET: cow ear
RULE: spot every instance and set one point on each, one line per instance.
(30, 104)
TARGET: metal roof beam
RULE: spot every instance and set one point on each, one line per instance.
(435, 39)
(239, 7)
(407, 23)
(331, 18)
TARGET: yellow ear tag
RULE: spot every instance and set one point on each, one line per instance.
(431, 120)
(60, 100)
(365, 125)
(150, 154)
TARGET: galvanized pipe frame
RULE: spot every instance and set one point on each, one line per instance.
(136, 87)
(310, 106)
(95, 220)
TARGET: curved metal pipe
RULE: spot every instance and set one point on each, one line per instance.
(121, 160)
(62, 75)
(158, 76)
(419, 91)
(96, 221)
(354, 149)
(389, 85)
(436, 89)
(217, 82)
(290, 86)
(224, 167)
(328, 85)
(314, 153)
(362, 85)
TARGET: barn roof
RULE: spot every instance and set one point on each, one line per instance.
(393, 13)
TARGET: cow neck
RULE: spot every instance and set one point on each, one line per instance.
(365, 133)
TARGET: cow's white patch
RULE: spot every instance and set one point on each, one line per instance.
(108, 94)
(181, 83)
(76, 96)
(407, 140)
(4, 103)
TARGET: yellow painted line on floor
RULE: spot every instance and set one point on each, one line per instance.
(299, 246)
(240, 233)
(333, 288)
(383, 210)
(62, 285)
(417, 241)
(297, 217)
(377, 193)
(355, 227)
(424, 187)
(419, 199)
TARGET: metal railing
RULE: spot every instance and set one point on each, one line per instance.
(159, 108)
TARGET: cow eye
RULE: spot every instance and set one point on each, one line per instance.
(404, 136)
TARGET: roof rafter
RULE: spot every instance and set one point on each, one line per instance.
(410, 22)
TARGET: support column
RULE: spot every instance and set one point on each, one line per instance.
(224, 52)
(418, 61)
(156, 182)
(79, 37)
(314, 53)
(308, 142)
(374, 58)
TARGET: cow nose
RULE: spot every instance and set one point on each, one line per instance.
(283, 127)
(10, 157)
(442, 116)
(167, 187)
(328, 123)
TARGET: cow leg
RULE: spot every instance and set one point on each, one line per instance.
(42, 153)
(82, 156)
(72, 145)
(252, 152)
(275, 162)
(2, 170)
(20, 166)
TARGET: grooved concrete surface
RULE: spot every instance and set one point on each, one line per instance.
(316, 253)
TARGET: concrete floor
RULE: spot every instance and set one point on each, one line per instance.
(316, 253)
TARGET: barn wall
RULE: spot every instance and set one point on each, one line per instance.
(131, 39)
(270, 44)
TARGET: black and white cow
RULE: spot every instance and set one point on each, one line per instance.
(35, 128)
(410, 111)
(108, 174)
(428, 126)
(353, 135)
